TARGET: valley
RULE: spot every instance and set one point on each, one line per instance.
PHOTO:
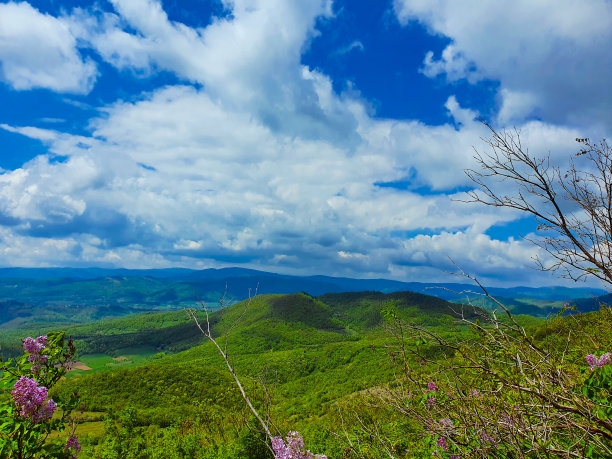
(151, 385)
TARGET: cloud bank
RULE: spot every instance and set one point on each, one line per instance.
(551, 58)
(253, 158)
(40, 51)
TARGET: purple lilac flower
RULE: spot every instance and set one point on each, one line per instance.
(442, 443)
(591, 360)
(31, 400)
(38, 358)
(34, 346)
(278, 445)
(432, 386)
(44, 412)
(295, 441)
(28, 395)
(598, 362)
(293, 448)
(73, 445)
(604, 360)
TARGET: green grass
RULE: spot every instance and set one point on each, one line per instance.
(126, 358)
(89, 423)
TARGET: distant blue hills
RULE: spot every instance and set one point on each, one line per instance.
(240, 280)
(31, 297)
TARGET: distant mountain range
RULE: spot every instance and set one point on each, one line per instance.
(268, 282)
(81, 294)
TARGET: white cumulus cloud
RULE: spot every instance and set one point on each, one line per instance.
(39, 51)
(552, 58)
(255, 159)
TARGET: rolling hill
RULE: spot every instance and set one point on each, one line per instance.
(35, 296)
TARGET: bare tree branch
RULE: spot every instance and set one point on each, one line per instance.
(573, 208)
(206, 331)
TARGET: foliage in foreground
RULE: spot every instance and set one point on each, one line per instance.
(471, 394)
(500, 394)
(26, 408)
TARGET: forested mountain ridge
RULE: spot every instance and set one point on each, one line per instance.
(70, 295)
(172, 331)
(153, 386)
(312, 356)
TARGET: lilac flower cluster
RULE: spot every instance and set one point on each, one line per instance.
(598, 362)
(441, 442)
(31, 400)
(73, 446)
(34, 347)
(431, 401)
(293, 448)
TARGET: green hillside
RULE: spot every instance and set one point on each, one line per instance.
(365, 310)
(164, 331)
(300, 346)
(267, 322)
(311, 364)
(35, 297)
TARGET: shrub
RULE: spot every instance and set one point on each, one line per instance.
(28, 414)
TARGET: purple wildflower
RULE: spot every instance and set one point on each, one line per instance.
(28, 395)
(598, 362)
(278, 445)
(38, 358)
(34, 346)
(44, 412)
(432, 386)
(431, 403)
(442, 443)
(475, 393)
(73, 445)
(293, 448)
(592, 361)
(30, 399)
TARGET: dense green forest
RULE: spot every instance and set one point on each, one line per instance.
(151, 385)
(311, 353)
(31, 298)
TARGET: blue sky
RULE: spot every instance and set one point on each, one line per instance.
(297, 136)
